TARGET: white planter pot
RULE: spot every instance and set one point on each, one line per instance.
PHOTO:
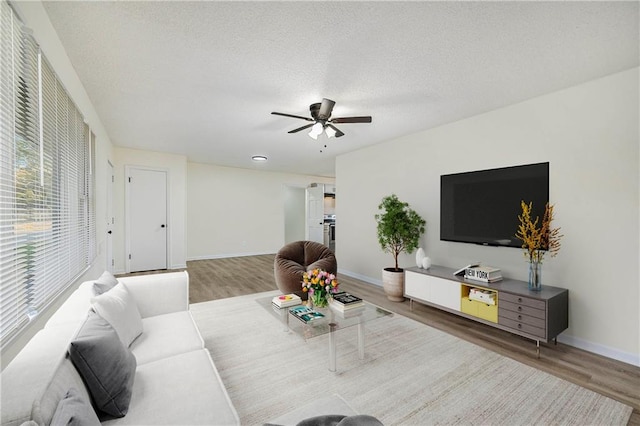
(393, 284)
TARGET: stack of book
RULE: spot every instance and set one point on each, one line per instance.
(486, 274)
(343, 302)
(306, 314)
(286, 300)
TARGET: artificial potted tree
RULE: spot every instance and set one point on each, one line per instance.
(399, 230)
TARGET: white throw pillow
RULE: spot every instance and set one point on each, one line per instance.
(105, 283)
(119, 309)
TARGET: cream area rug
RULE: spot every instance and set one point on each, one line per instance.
(412, 374)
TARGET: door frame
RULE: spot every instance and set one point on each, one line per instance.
(110, 218)
(127, 213)
(307, 198)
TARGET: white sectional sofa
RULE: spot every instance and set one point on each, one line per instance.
(174, 380)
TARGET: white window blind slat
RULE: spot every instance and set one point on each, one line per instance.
(47, 214)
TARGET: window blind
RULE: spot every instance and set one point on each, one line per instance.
(47, 211)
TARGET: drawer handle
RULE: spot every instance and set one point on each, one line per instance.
(519, 308)
(519, 299)
(519, 325)
(519, 317)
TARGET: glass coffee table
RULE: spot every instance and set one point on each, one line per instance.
(333, 321)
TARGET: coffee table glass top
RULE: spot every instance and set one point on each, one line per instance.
(332, 319)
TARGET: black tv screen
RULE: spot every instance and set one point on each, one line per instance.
(482, 207)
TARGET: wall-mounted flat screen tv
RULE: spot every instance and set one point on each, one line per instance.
(482, 207)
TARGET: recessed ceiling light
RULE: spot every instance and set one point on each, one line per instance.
(259, 158)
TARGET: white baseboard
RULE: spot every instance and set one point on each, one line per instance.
(576, 342)
(360, 277)
(226, 255)
(629, 358)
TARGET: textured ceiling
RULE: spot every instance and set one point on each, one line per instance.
(201, 78)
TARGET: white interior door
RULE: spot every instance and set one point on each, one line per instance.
(110, 219)
(315, 213)
(147, 224)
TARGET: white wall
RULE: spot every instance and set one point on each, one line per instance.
(589, 134)
(294, 213)
(176, 167)
(237, 212)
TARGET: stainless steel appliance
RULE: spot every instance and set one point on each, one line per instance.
(330, 230)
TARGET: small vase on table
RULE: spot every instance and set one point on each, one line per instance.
(535, 275)
(318, 300)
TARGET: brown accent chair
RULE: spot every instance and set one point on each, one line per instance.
(295, 258)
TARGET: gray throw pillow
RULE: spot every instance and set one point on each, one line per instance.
(73, 410)
(105, 283)
(324, 420)
(106, 365)
(340, 420)
(360, 420)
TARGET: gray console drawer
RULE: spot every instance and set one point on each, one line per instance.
(521, 309)
(522, 300)
(522, 318)
(522, 327)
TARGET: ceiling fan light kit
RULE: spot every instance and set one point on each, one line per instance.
(316, 130)
(322, 121)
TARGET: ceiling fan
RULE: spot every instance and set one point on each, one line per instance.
(322, 121)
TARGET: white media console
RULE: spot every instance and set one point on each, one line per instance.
(537, 315)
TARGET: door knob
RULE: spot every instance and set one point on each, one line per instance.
(162, 226)
(109, 232)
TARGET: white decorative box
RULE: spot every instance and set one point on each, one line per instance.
(484, 296)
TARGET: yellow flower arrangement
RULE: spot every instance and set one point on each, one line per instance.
(536, 241)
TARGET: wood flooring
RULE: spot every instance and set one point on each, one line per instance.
(229, 277)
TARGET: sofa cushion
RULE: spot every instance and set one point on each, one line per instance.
(165, 336)
(32, 371)
(74, 410)
(174, 296)
(106, 365)
(74, 309)
(119, 309)
(104, 283)
(182, 389)
(66, 377)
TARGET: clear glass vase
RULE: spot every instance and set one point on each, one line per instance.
(318, 300)
(535, 276)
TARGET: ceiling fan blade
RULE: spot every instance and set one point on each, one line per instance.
(293, 116)
(301, 128)
(325, 109)
(343, 120)
(338, 131)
